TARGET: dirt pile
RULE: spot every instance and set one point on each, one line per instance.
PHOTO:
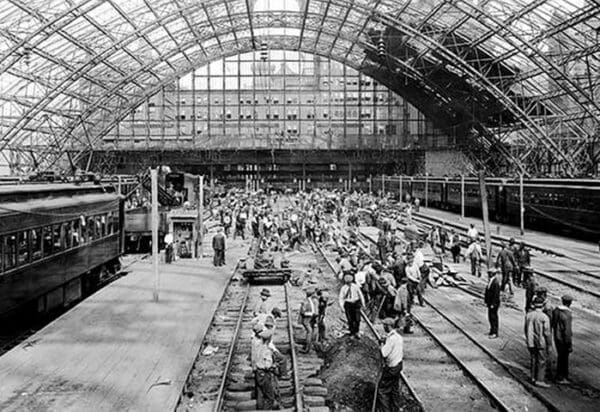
(350, 373)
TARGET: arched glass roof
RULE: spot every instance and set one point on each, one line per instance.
(520, 76)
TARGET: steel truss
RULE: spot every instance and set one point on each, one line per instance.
(520, 78)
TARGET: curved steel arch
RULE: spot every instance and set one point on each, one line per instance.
(425, 26)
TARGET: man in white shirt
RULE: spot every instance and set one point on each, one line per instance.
(475, 254)
(351, 300)
(473, 233)
(392, 350)
(413, 273)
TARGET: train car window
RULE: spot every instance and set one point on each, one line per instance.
(104, 225)
(68, 230)
(48, 243)
(98, 221)
(76, 234)
(10, 251)
(91, 226)
(36, 243)
(58, 238)
(23, 248)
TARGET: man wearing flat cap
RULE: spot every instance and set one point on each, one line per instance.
(264, 306)
(388, 393)
(537, 336)
(561, 325)
(492, 301)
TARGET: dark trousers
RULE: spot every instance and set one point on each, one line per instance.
(219, 257)
(266, 391)
(493, 318)
(309, 323)
(352, 310)
(389, 389)
(321, 328)
(414, 289)
(537, 363)
(562, 364)
(516, 276)
(475, 267)
(239, 230)
(506, 280)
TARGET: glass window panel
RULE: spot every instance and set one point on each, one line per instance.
(10, 251)
(35, 236)
(23, 248)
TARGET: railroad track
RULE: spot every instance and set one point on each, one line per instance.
(324, 260)
(505, 390)
(588, 286)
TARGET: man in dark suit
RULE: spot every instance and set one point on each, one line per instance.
(218, 244)
(492, 301)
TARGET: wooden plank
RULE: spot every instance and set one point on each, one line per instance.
(120, 350)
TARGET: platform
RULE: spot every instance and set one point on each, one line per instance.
(576, 249)
(119, 350)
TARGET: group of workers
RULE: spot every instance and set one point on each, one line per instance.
(386, 282)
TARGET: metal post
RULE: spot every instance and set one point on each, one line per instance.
(401, 189)
(486, 222)
(383, 185)
(426, 190)
(200, 220)
(349, 176)
(154, 186)
(462, 196)
(522, 205)
(119, 185)
(370, 185)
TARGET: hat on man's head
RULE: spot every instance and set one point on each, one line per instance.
(389, 321)
(265, 292)
(348, 278)
(276, 312)
(566, 299)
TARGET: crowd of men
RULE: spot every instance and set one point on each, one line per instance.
(387, 281)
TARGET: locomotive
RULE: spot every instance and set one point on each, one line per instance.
(57, 242)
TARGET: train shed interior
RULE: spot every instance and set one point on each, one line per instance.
(234, 205)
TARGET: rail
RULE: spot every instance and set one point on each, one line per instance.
(375, 334)
(478, 382)
(497, 242)
(236, 333)
(297, 392)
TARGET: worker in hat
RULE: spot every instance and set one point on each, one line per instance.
(308, 317)
(264, 306)
(392, 351)
(537, 336)
(351, 300)
(530, 285)
(492, 301)
(265, 378)
(561, 323)
(218, 244)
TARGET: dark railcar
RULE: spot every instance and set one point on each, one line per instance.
(553, 205)
(56, 242)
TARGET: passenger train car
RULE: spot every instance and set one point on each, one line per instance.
(557, 206)
(56, 242)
